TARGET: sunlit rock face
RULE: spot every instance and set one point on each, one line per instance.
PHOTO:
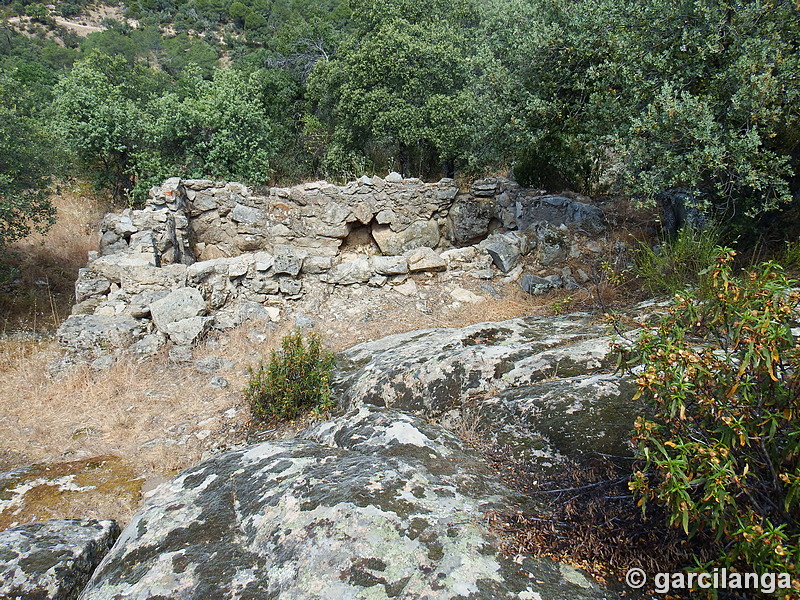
(544, 387)
(372, 504)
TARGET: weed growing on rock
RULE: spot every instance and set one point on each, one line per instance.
(722, 451)
(678, 263)
(296, 379)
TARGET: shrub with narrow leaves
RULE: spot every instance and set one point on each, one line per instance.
(295, 380)
(722, 449)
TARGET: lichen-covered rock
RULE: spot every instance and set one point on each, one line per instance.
(434, 370)
(552, 420)
(533, 284)
(92, 333)
(374, 504)
(52, 560)
(484, 188)
(505, 251)
(288, 260)
(558, 210)
(90, 284)
(469, 219)
(552, 244)
(188, 331)
(507, 374)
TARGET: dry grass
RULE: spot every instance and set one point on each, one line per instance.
(157, 418)
(42, 294)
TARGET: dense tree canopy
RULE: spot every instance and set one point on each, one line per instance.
(597, 95)
(232, 127)
(647, 96)
(399, 86)
(24, 148)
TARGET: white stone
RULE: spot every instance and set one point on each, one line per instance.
(393, 177)
(462, 295)
(409, 288)
(183, 303)
(424, 259)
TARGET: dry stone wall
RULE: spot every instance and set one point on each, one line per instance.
(204, 254)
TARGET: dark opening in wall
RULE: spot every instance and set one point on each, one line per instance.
(359, 238)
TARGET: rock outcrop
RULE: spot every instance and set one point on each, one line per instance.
(373, 504)
(386, 500)
(52, 560)
(543, 386)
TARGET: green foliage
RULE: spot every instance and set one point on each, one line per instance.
(180, 54)
(722, 450)
(399, 85)
(98, 119)
(790, 257)
(232, 127)
(646, 96)
(24, 169)
(296, 379)
(676, 264)
(68, 9)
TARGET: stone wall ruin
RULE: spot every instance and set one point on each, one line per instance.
(204, 254)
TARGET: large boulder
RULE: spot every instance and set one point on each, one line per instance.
(549, 421)
(508, 375)
(374, 504)
(52, 560)
(469, 219)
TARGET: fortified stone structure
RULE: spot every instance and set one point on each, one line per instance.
(204, 255)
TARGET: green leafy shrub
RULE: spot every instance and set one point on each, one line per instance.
(296, 378)
(722, 451)
(790, 257)
(679, 263)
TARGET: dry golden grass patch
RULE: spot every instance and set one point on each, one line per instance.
(156, 417)
(43, 291)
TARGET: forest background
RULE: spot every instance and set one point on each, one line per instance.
(599, 96)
